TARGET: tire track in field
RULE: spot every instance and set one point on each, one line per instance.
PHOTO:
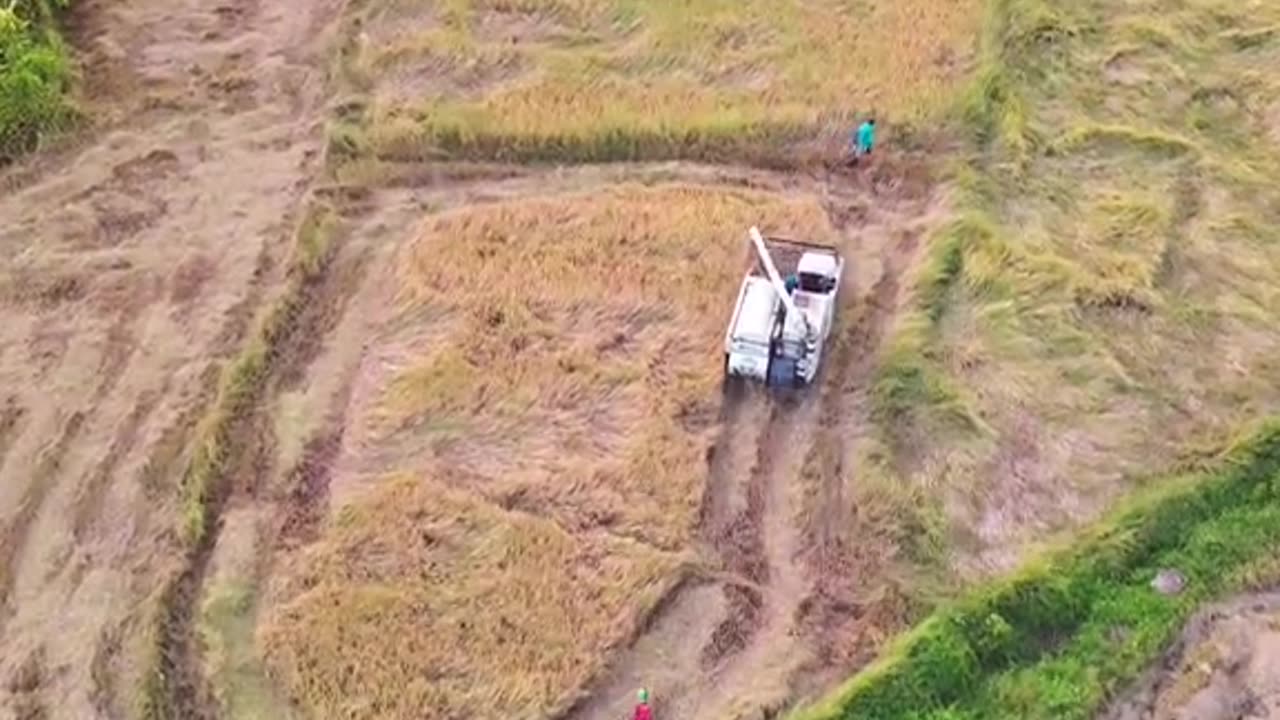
(11, 417)
(43, 481)
(742, 649)
(674, 655)
(14, 533)
(755, 677)
(846, 613)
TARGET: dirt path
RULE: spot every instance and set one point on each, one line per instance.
(129, 264)
(736, 649)
(757, 677)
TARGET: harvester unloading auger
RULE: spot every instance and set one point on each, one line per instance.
(778, 330)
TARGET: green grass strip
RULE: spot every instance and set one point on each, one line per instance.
(1060, 637)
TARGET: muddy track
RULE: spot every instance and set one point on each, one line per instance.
(837, 610)
(735, 529)
(753, 678)
(253, 454)
(14, 533)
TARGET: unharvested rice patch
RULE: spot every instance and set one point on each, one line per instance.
(705, 70)
(543, 393)
(406, 73)
(426, 602)
(529, 391)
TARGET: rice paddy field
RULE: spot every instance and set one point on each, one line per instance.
(363, 358)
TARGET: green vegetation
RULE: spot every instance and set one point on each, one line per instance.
(595, 80)
(1053, 641)
(34, 75)
(242, 380)
(228, 616)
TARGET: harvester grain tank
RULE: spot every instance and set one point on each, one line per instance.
(778, 333)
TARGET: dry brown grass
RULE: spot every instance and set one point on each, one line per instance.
(1108, 304)
(554, 394)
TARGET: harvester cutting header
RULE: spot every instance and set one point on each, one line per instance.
(779, 327)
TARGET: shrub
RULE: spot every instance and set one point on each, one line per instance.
(34, 77)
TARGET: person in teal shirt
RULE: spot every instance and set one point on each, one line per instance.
(865, 138)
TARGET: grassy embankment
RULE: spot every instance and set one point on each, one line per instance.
(35, 76)
(1056, 639)
(1109, 276)
(606, 80)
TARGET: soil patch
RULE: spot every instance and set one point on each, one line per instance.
(1223, 667)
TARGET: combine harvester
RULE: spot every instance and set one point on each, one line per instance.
(778, 333)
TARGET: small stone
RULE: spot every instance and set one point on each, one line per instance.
(1169, 582)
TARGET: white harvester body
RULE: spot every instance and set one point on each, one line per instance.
(777, 335)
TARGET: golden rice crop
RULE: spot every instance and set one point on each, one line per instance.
(584, 75)
(581, 365)
(549, 426)
(426, 602)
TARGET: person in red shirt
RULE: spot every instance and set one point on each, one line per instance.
(643, 712)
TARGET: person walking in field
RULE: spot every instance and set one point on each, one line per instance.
(865, 138)
(643, 712)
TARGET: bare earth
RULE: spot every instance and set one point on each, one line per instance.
(128, 267)
(1226, 666)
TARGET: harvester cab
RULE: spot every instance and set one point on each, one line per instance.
(778, 332)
